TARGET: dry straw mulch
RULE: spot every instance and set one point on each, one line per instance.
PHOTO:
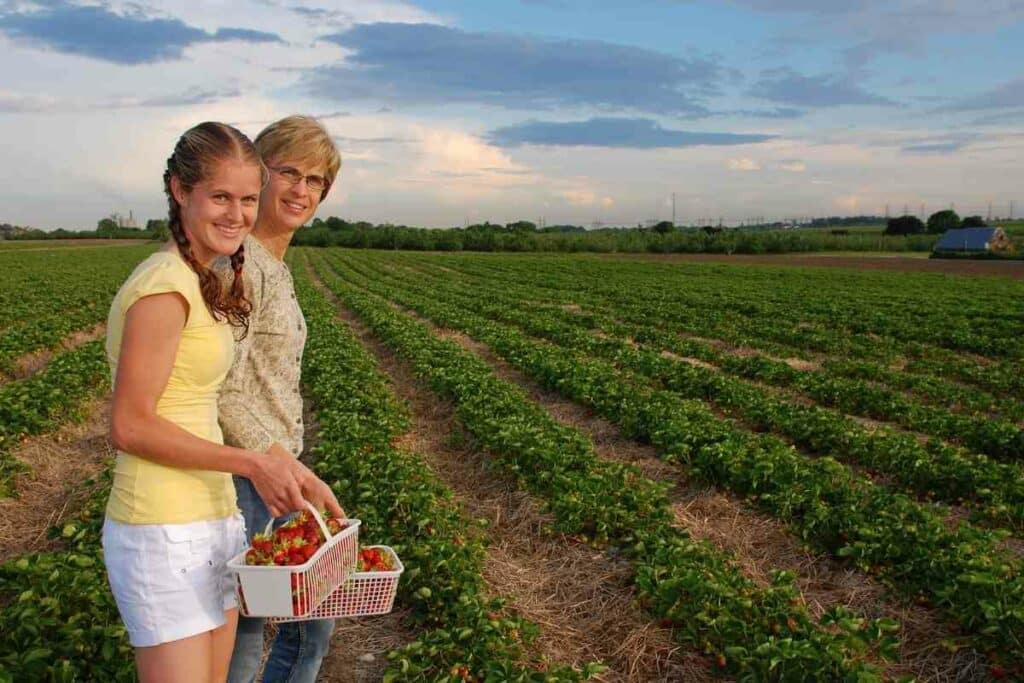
(52, 488)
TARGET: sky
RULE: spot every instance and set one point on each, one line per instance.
(589, 112)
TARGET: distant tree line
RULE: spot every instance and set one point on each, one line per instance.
(663, 237)
(905, 233)
(106, 228)
(938, 223)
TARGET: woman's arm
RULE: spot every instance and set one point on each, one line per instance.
(152, 332)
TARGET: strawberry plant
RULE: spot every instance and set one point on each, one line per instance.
(961, 570)
(611, 503)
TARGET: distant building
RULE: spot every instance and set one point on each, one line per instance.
(973, 241)
(122, 222)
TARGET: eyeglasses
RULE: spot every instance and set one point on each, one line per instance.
(317, 183)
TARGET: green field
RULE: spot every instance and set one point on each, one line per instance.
(876, 417)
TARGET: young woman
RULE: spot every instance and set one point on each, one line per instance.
(172, 520)
(260, 406)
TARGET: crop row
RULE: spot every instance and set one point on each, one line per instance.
(46, 331)
(959, 571)
(58, 618)
(933, 470)
(721, 304)
(41, 402)
(899, 308)
(932, 387)
(402, 504)
(48, 295)
(1001, 439)
(759, 634)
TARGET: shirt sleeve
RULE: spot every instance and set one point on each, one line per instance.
(162, 278)
(237, 422)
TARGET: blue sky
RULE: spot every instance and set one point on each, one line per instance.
(571, 111)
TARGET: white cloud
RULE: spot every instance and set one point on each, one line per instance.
(11, 101)
(742, 164)
(848, 203)
(468, 164)
(793, 166)
(578, 197)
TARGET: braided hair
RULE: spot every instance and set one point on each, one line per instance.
(194, 158)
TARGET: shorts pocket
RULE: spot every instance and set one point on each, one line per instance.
(188, 549)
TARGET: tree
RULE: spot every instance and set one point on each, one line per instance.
(664, 227)
(944, 220)
(334, 223)
(904, 225)
(973, 222)
(159, 228)
(106, 226)
(522, 226)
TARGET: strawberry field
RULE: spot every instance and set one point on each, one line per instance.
(871, 422)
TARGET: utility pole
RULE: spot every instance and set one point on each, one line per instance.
(1011, 209)
(673, 209)
(989, 218)
(887, 211)
(921, 215)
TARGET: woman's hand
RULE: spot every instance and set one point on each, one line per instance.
(275, 479)
(317, 492)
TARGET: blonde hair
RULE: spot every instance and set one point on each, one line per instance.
(301, 138)
(195, 158)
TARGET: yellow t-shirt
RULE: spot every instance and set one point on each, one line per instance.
(143, 491)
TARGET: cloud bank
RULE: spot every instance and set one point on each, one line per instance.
(130, 39)
(429, 63)
(787, 86)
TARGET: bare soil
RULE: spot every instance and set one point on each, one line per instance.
(359, 648)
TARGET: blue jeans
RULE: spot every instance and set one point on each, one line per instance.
(299, 647)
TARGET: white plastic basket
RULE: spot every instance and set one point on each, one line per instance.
(294, 591)
(364, 594)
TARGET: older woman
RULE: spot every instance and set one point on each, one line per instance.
(260, 405)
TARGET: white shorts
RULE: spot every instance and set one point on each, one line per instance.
(171, 581)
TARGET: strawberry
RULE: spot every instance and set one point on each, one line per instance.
(373, 560)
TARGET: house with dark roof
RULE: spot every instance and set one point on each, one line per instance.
(973, 241)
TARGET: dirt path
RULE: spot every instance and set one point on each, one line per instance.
(580, 598)
(52, 488)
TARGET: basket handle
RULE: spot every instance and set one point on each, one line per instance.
(316, 515)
